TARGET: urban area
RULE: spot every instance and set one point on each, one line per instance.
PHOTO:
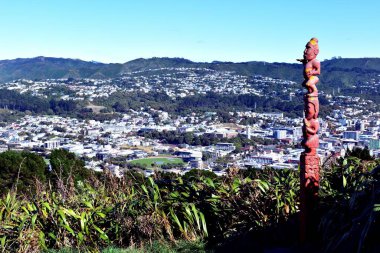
(150, 139)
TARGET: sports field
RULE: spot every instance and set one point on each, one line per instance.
(157, 161)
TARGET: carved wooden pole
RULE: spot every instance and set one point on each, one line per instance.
(309, 161)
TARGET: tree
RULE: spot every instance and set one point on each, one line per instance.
(206, 156)
(188, 138)
(360, 153)
(65, 164)
(195, 174)
(21, 169)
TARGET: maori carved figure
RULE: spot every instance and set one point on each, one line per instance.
(310, 137)
(312, 67)
(309, 161)
(311, 70)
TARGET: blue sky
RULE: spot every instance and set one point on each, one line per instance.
(199, 30)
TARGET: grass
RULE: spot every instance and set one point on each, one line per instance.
(155, 247)
(147, 149)
(157, 161)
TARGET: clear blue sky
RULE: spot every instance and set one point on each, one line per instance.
(199, 30)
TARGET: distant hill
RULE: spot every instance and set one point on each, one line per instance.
(48, 67)
(277, 70)
(341, 72)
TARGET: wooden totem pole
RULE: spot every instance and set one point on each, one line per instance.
(309, 161)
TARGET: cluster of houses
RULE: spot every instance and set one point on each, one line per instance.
(175, 82)
(355, 123)
(98, 143)
(83, 89)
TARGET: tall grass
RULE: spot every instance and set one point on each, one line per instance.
(135, 212)
(166, 213)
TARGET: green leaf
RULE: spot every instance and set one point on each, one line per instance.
(62, 215)
(30, 207)
(209, 182)
(34, 217)
(46, 204)
(188, 214)
(21, 226)
(8, 198)
(100, 214)
(247, 180)
(261, 188)
(176, 220)
(203, 223)
(195, 211)
(72, 213)
(144, 189)
(42, 240)
(25, 210)
(174, 194)
(88, 204)
(186, 194)
(44, 213)
(52, 236)
(264, 186)
(7, 226)
(103, 235)
(3, 240)
(344, 181)
(80, 237)
(82, 220)
(68, 228)
(151, 181)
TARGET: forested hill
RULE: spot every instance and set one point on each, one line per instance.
(341, 72)
(54, 68)
(278, 70)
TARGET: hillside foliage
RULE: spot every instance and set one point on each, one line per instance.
(95, 211)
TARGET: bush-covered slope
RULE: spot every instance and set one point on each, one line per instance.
(242, 211)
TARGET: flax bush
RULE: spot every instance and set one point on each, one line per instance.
(135, 211)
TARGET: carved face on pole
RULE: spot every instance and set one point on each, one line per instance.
(311, 50)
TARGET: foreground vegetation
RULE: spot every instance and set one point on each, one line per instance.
(96, 212)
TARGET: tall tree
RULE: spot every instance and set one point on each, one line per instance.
(20, 170)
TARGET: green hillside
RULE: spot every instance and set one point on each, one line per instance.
(340, 72)
(47, 67)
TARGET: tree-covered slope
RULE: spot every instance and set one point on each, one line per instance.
(47, 67)
(340, 72)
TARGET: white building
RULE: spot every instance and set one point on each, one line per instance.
(279, 134)
(229, 147)
(52, 144)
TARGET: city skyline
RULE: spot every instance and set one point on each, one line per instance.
(118, 31)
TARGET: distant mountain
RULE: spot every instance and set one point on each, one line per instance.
(278, 70)
(48, 67)
(341, 72)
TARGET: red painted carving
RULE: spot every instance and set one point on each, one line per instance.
(310, 138)
(309, 161)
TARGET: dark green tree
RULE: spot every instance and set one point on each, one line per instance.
(360, 153)
(20, 170)
(195, 174)
(65, 164)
